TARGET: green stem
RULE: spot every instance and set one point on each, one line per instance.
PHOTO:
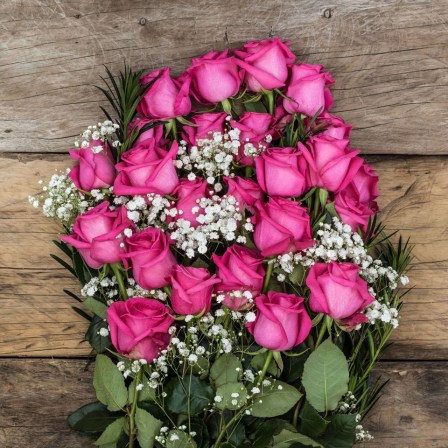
(267, 363)
(132, 428)
(267, 277)
(116, 270)
(321, 335)
(248, 171)
(270, 97)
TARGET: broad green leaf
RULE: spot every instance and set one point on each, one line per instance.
(325, 377)
(112, 433)
(226, 369)
(98, 342)
(148, 428)
(313, 424)
(233, 396)
(266, 431)
(287, 438)
(92, 418)
(275, 400)
(341, 432)
(179, 439)
(95, 306)
(109, 384)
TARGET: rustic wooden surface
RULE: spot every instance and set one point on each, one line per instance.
(390, 61)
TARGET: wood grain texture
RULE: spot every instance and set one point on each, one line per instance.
(389, 59)
(36, 318)
(37, 396)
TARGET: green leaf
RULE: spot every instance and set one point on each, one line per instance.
(146, 394)
(267, 430)
(112, 433)
(148, 428)
(225, 391)
(276, 399)
(98, 342)
(293, 365)
(325, 377)
(109, 384)
(297, 275)
(312, 424)
(96, 307)
(92, 418)
(341, 432)
(287, 438)
(258, 361)
(188, 390)
(181, 440)
(224, 370)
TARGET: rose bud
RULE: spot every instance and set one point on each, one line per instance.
(282, 172)
(364, 186)
(139, 327)
(206, 125)
(332, 165)
(192, 290)
(352, 211)
(336, 127)
(95, 168)
(97, 234)
(265, 63)
(307, 92)
(150, 256)
(146, 168)
(338, 290)
(281, 321)
(155, 133)
(281, 226)
(239, 269)
(167, 98)
(255, 127)
(214, 77)
(246, 191)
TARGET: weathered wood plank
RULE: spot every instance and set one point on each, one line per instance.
(38, 394)
(389, 59)
(36, 318)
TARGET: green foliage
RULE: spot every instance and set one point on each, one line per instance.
(109, 384)
(325, 377)
(96, 307)
(180, 440)
(258, 361)
(93, 418)
(226, 369)
(341, 432)
(287, 438)
(234, 396)
(148, 428)
(111, 434)
(312, 423)
(98, 342)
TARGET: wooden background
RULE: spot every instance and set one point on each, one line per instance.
(390, 62)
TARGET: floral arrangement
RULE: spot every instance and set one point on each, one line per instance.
(239, 284)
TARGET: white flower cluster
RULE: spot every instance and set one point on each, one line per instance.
(382, 312)
(60, 199)
(128, 367)
(101, 131)
(252, 151)
(219, 219)
(211, 158)
(348, 403)
(362, 435)
(167, 436)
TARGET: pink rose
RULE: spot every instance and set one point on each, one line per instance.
(97, 234)
(265, 63)
(364, 186)
(146, 168)
(332, 164)
(246, 191)
(282, 172)
(214, 77)
(282, 321)
(254, 128)
(352, 211)
(339, 291)
(139, 327)
(167, 98)
(94, 170)
(307, 90)
(206, 125)
(281, 226)
(239, 269)
(187, 194)
(151, 258)
(336, 127)
(155, 133)
(192, 290)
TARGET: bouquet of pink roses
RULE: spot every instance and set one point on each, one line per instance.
(240, 287)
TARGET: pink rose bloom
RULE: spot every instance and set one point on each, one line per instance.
(254, 128)
(336, 126)
(139, 327)
(146, 168)
(150, 256)
(352, 211)
(167, 98)
(265, 63)
(281, 226)
(94, 170)
(339, 291)
(192, 290)
(214, 77)
(282, 321)
(282, 172)
(187, 193)
(155, 133)
(239, 269)
(246, 191)
(97, 234)
(364, 186)
(206, 125)
(332, 165)
(307, 90)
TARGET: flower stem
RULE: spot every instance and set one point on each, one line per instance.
(321, 335)
(132, 428)
(267, 277)
(270, 97)
(116, 270)
(267, 363)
